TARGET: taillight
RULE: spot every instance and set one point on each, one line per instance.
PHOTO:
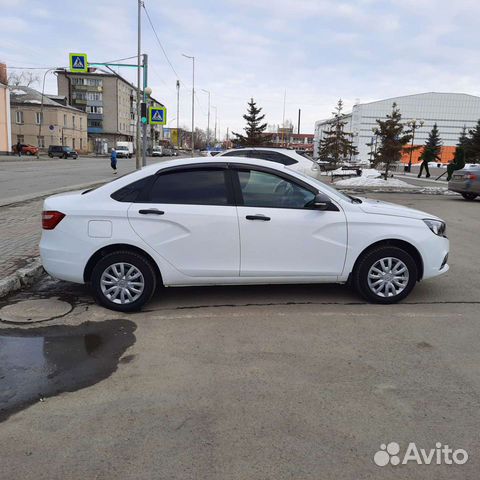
(50, 219)
(470, 176)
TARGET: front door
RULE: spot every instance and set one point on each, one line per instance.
(281, 235)
(189, 219)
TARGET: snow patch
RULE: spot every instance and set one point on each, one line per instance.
(33, 101)
(367, 181)
(16, 91)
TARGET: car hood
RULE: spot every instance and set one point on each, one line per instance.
(385, 208)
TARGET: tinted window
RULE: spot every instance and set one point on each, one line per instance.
(237, 153)
(273, 157)
(130, 192)
(194, 187)
(261, 189)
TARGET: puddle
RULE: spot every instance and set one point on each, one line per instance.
(38, 363)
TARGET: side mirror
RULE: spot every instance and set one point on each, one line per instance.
(321, 202)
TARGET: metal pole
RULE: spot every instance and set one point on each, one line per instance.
(41, 110)
(411, 149)
(283, 117)
(215, 131)
(137, 133)
(299, 114)
(178, 114)
(144, 125)
(208, 118)
(193, 107)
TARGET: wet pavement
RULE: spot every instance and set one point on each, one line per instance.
(38, 363)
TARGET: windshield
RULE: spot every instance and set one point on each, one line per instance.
(122, 148)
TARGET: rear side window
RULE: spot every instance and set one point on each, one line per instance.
(131, 192)
(274, 157)
(238, 153)
(191, 187)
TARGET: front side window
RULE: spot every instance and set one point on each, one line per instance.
(190, 187)
(262, 189)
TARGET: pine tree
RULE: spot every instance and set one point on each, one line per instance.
(433, 146)
(472, 147)
(254, 128)
(393, 137)
(337, 145)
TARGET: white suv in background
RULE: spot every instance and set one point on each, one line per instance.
(283, 156)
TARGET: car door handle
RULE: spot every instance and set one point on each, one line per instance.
(258, 217)
(151, 211)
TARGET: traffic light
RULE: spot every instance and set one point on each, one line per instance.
(143, 112)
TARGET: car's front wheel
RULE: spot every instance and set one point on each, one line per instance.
(385, 274)
(469, 196)
(123, 281)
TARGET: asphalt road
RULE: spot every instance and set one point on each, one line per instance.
(36, 177)
(264, 382)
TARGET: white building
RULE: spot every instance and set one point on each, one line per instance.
(450, 111)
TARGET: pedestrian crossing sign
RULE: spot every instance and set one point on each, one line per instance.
(157, 115)
(78, 63)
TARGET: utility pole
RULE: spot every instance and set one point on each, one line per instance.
(178, 114)
(137, 136)
(208, 118)
(215, 134)
(193, 100)
(299, 115)
(144, 125)
(283, 117)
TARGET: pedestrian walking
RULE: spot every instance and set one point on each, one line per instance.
(19, 148)
(113, 161)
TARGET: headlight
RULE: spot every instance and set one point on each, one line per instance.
(436, 226)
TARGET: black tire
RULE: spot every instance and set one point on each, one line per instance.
(469, 196)
(50, 155)
(136, 260)
(361, 271)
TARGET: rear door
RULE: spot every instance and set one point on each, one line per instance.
(281, 234)
(188, 217)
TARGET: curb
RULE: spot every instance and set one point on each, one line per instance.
(23, 277)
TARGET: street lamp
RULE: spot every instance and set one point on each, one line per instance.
(193, 99)
(208, 118)
(414, 124)
(41, 110)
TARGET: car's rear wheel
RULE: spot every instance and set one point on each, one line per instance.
(385, 275)
(123, 281)
(469, 196)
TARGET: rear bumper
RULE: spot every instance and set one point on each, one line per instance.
(61, 262)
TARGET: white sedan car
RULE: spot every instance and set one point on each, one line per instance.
(212, 221)
(283, 156)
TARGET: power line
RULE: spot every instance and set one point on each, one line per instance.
(160, 43)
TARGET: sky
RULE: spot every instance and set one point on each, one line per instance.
(312, 51)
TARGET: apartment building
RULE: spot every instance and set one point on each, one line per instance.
(109, 101)
(47, 122)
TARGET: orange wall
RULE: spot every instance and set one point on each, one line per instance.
(446, 154)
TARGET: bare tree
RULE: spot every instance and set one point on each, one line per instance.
(23, 79)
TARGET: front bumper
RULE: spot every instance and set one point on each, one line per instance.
(435, 257)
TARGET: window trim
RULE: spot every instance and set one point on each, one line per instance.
(144, 196)
(238, 189)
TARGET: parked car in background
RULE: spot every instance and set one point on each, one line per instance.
(282, 156)
(26, 149)
(62, 152)
(234, 221)
(466, 182)
(157, 151)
